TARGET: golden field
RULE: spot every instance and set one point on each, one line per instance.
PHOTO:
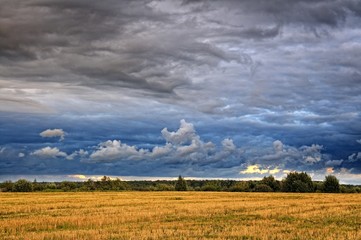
(179, 215)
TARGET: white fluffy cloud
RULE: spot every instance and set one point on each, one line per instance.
(48, 152)
(114, 150)
(181, 145)
(185, 134)
(278, 146)
(228, 145)
(161, 151)
(80, 153)
(53, 133)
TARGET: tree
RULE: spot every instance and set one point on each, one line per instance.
(6, 186)
(263, 188)
(50, 186)
(68, 186)
(240, 187)
(297, 182)
(164, 187)
(38, 186)
(211, 186)
(105, 183)
(89, 185)
(118, 184)
(318, 187)
(331, 184)
(272, 183)
(22, 185)
(181, 184)
(105, 179)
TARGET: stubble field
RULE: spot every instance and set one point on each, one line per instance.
(179, 215)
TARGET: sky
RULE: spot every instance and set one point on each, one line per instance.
(231, 89)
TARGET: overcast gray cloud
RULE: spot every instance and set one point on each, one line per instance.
(176, 48)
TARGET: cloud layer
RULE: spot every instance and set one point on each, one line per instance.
(48, 152)
(49, 133)
(268, 86)
(183, 145)
(184, 151)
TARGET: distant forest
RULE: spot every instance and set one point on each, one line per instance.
(294, 182)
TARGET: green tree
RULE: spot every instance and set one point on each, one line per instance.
(242, 186)
(50, 186)
(37, 187)
(263, 188)
(181, 184)
(164, 187)
(68, 186)
(272, 183)
(118, 184)
(297, 182)
(105, 183)
(6, 186)
(331, 184)
(23, 185)
(318, 187)
(89, 185)
(211, 186)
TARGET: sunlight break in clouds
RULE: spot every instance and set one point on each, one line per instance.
(257, 169)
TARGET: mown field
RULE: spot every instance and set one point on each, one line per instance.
(179, 215)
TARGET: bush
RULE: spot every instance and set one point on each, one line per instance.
(23, 185)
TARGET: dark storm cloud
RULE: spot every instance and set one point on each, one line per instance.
(155, 47)
(300, 11)
(98, 44)
(65, 23)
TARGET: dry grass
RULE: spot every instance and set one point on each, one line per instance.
(179, 215)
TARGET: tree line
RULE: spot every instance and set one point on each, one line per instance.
(293, 182)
